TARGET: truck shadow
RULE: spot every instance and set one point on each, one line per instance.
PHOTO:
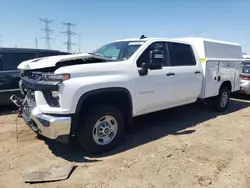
(172, 122)
(148, 128)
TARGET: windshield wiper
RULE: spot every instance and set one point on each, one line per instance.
(97, 54)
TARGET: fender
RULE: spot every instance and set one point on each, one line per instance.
(226, 83)
(85, 96)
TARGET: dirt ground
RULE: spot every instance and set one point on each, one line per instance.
(185, 147)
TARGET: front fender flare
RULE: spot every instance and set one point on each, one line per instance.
(85, 96)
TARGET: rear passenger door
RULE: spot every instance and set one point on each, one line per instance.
(187, 72)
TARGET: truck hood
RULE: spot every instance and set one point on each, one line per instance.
(51, 61)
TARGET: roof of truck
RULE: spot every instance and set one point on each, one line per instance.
(206, 48)
(185, 39)
(209, 48)
(208, 40)
(132, 39)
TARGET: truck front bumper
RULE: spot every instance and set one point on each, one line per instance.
(56, 127)
(53, 127)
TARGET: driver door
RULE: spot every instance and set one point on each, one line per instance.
(156, 90)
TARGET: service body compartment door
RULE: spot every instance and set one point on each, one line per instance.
(230, 71)
(212, 78)
(219, 71)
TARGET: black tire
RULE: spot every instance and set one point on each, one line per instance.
(86, 127)
(216, 101)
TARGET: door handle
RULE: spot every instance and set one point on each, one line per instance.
(197, 72)
(170, 74)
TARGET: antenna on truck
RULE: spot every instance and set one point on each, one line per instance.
(143, 37)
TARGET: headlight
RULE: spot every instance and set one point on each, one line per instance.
(56, 77)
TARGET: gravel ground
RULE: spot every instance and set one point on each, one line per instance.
(185, 147)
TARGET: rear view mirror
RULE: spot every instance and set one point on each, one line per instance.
(156, 58)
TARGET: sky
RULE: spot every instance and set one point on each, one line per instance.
(101, 21)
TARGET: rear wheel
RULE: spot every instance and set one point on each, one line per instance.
(220, 103)
(102, 129)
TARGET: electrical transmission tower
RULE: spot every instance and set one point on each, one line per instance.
(1, 41)
(69, 34)
(79, 44)
(47, 31)
(36, 43)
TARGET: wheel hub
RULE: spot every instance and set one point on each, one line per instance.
(105, 130)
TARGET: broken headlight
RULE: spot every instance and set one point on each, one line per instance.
(52, 98)
(55, 95)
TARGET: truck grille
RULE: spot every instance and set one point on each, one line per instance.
(32, 75)
(27, 84)
(32, 81)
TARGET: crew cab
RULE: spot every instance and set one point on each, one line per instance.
(94, 96)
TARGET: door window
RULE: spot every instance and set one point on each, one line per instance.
(181, 54)
(160, 46)
(10, 61)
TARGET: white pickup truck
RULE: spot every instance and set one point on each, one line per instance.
(94, 96)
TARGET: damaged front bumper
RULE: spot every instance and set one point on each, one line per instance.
(52, 127)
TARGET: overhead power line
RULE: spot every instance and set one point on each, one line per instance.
(69, 35)
(47, 31)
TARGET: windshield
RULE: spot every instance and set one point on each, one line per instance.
(118, 51)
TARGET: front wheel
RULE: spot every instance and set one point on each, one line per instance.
(221, 102)
(101, 129)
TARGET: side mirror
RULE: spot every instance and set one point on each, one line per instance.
(156, 59)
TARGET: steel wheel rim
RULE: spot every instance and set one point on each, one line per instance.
(105, 130)
(224, 99)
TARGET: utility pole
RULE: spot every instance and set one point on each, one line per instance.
(79, 44)
(36, 42)
(47, 31)
(69, 34)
